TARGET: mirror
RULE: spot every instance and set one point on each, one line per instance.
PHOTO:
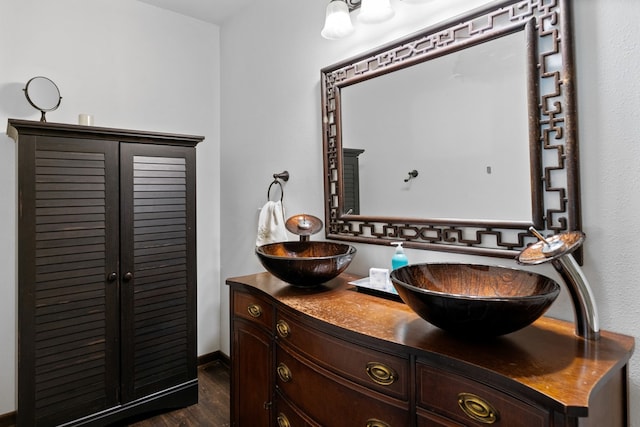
(484, 164)
(43, 95)
(457, 138)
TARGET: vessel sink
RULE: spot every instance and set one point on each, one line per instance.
(475, 300)
(305, 263)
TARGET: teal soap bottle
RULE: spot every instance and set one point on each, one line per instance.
(399, 258)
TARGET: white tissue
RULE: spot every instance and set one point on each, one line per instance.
(379, 278)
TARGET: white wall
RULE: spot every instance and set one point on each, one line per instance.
(271, 61)
(132, 66)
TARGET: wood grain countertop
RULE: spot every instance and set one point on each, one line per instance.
(546, 360)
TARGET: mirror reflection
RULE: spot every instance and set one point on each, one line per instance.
(411, 120)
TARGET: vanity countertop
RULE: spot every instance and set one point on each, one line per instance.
(545, 360)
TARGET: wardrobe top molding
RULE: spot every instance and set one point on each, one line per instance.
(29, 127)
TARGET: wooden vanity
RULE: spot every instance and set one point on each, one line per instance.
(333, 356)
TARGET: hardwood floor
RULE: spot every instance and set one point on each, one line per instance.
(212, 409)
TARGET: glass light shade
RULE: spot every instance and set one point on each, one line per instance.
(337, 23)
(372, 11)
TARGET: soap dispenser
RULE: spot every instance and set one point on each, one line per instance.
(399, 259)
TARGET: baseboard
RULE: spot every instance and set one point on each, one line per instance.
(216, 356)
(8, 419)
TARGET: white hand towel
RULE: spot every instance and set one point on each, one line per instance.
(271, 228)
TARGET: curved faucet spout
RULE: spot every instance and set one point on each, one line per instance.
(584, 304)
(557, 249)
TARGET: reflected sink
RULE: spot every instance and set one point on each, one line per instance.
(475, 300)
(305, 263)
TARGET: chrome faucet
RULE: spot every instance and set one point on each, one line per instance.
(557, 249)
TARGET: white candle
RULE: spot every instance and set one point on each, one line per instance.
(85, 119)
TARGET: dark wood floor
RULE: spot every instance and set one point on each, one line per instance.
(212, 409)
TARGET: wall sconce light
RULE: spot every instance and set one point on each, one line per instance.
(374, 11)
(338, 23)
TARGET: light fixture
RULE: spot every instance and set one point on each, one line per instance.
(373, 11)
(337, 22)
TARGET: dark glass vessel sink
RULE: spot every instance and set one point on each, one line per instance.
(475, 300)
(305, 263)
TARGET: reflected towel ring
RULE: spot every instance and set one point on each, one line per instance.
(275, 181)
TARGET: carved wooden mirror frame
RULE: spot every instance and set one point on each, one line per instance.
(552, 131)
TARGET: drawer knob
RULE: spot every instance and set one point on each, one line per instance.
(283, 421)
(254, 310)
(381, 374)
(376, 423)
(283, 328)
(283, 372)
(477, 408)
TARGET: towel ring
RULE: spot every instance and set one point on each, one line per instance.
(275, 181)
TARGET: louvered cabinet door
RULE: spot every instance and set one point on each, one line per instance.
(68, 306)
(158, 294)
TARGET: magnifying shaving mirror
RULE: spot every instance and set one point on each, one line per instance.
(43, 94)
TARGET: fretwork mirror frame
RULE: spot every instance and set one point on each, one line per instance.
(553, 146)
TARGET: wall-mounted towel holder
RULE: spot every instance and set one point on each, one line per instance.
(277, 177)
(412, 174)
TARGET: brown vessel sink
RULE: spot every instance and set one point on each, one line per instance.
(305, 263)
(475, 300)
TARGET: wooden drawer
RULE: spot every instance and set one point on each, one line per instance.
(446, 394)
(429, 419)
(253, 308)
(287, 415)
(331, 400)
(373, 369)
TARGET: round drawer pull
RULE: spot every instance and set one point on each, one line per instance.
(372, 422)
(477, 408)
(283, 421)
(283, 328)
(381, 374)
(283, 372)
(254, 310)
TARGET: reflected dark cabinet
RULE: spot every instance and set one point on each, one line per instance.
(351, 179)
(106, 273)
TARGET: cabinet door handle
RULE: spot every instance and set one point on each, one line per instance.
(111, 277)
(372, 422)
(283, 328)
(254, 310)
(283, 372)
(127, 276)
(283, 421)
(381, 373)
(477, 408)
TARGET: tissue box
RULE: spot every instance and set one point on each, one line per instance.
(378, 283)
(379, 279)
